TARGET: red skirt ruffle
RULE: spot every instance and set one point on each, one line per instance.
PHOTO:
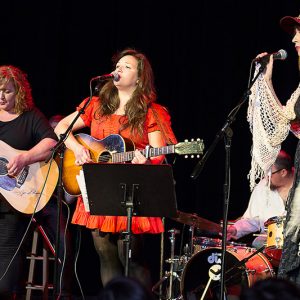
(115, 224)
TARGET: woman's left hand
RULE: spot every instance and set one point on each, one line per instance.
(269, 67)
(139, 158)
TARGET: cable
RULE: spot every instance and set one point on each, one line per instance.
(30, 221)
(76, 260)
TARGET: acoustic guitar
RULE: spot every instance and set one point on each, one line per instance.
(116, 149)
(31, 186)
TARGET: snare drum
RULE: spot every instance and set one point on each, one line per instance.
(274, 238)
(195, 275)
(201, 243)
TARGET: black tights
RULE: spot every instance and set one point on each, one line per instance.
(111, 250)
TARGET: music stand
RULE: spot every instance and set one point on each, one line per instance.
(130, 190)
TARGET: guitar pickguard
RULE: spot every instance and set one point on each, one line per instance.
(114, 143)
(3, 168)
(7, 183)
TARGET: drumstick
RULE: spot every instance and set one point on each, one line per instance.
(260, 234)
(214, 274)
(206, 288)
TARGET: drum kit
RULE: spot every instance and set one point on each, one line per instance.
(196, 274)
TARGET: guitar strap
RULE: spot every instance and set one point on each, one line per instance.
(166, 130)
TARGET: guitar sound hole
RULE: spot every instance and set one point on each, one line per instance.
(104, 157)
(3, 163)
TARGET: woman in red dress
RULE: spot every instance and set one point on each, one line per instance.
(124, 106)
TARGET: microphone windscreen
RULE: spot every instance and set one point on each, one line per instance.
(281, 54)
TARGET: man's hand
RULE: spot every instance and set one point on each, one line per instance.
(231, 233)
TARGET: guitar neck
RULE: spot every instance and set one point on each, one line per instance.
(128, 156)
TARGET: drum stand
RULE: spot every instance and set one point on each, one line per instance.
(172, 274)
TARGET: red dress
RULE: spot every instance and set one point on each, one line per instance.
(101, 129)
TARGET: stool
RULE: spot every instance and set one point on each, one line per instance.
(48, 253)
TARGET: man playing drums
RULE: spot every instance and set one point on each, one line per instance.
(267, 207)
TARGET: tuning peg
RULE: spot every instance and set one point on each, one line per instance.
(186, 140)
(186, 156)
(192, 156)
(192, 140)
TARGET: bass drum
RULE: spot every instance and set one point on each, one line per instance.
(197, 272)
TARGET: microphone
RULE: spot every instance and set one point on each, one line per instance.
(279, 55)
(113, 76)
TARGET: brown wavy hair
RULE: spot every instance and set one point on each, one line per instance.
(24, 101)
(144, 94)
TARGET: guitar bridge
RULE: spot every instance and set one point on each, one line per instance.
(22, 177)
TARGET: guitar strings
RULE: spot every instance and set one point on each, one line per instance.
(125, 156)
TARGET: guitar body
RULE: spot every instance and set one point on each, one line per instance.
(23, 192)
(100, 151)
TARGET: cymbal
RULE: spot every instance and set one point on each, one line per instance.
(198, 222)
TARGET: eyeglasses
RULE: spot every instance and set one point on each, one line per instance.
(277, 171)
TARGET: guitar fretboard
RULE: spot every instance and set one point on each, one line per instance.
(128, 156)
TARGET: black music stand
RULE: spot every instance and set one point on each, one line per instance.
(130, 190)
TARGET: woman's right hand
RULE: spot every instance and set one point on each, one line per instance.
(82, 155)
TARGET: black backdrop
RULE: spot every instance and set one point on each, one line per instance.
(200, 52)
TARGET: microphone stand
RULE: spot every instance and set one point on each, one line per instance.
(59, 148)
(227, 133)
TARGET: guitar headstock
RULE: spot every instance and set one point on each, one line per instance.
(194, 148)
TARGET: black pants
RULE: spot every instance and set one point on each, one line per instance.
(12, 227)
